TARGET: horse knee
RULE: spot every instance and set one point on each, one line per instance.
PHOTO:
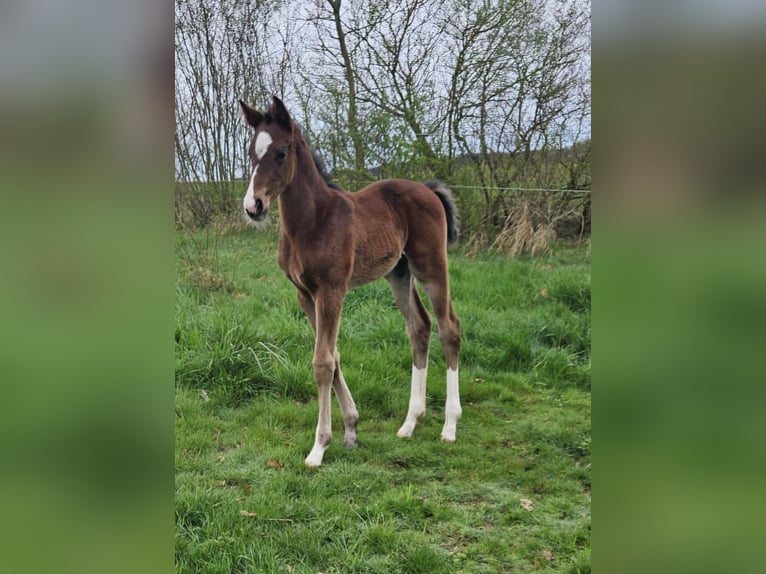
(421, 336)
(450, 340)
(324, 368)
(351, 419)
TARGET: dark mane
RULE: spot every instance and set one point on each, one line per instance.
(327, 177)
(319, 162)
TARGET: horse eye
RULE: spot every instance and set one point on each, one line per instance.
(280, 156)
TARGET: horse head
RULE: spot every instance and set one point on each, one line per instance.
(273, 154)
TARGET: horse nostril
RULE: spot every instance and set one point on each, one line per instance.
(258, 210)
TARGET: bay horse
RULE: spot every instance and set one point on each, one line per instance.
(331, 240)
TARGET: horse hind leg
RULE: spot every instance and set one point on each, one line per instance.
(449, 335)
(418, 325)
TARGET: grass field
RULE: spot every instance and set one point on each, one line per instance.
(511, 495)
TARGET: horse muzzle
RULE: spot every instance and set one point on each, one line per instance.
(258, 211)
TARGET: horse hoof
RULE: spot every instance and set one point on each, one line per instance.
(406, 430)
(314, 459)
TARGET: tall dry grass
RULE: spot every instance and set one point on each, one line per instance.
(535, 222)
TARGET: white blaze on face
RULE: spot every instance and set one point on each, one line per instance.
(249, 201)
(262, 143)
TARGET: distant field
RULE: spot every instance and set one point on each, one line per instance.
(511, 495)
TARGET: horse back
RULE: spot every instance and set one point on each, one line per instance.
(407, 208)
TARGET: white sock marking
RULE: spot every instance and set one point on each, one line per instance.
(323, 434)
(452, 410)
(417, 401)
(315, 456)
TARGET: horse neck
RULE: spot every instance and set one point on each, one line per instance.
(298, 201)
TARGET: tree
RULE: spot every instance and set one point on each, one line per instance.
(481, 92)
(516, 81)
(400, 49)
(223, 53)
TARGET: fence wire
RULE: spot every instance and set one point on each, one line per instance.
(361, 184)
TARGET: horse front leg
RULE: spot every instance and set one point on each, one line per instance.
(347, 405)
(327, 305)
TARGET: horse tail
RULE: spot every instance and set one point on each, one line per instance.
(444, 193)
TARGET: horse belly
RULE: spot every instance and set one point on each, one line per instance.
(372, 264)
(379, 234)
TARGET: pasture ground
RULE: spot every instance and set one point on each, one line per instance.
(511, 495)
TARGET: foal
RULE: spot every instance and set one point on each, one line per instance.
(331, 241)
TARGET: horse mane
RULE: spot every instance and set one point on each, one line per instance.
(322, 169)
(319, 162)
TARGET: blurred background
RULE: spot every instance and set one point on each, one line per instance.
(88, 174)
(679, 278)
(86, 287)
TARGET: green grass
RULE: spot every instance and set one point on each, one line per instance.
(392, 505)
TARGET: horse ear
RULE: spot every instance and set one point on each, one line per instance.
(280, 113)
(250, 117)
